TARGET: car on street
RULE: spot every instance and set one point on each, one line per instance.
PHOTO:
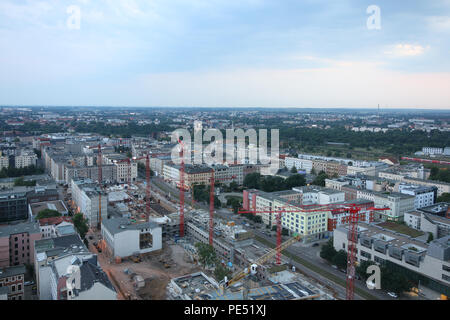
(315, 245)
(392, 295)
(28, 283)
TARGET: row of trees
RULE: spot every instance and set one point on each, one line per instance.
(12, 172)
(20, 182)
(440, 174)
(398, 142)
(272, 183)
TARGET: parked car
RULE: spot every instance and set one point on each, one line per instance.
(392, 294)
(28, 283)
(315, 245)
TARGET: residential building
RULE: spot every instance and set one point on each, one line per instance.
(299, 164)
(87, 196)
(56, 227)
(13, 205)
(436, 225)
(13, 278)
(17, 243)
(93, 283)
(25, 159)
(398, 203)
(331, 168)
(424, 196)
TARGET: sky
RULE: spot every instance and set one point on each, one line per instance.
(225, 53)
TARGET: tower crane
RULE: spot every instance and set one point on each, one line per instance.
(239, 275)
(354, 210)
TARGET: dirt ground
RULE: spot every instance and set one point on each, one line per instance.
(152, 268)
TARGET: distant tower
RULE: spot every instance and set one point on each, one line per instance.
(378, 110)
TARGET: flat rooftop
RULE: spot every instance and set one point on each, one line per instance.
(57, 205)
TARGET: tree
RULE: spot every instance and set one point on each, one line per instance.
(220, 272)
(430, 237)
(394, 281)
(320, 179)
(21, 182)
(252, 180)
(296, 180)
(47, 213)
(445, 197)
(293, 169)
(328, 251)
(340, 259)
(206, 254)
(81, 224)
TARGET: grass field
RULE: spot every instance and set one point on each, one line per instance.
(401, 228)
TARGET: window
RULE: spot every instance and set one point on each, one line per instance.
(446, 268)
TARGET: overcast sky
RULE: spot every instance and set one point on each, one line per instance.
(225, 53)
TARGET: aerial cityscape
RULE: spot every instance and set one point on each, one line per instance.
(126, 177)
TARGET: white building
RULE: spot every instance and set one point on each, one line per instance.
(125, 239)
(379, 244)
(25, 159)
(4, 161)
(424, 196)
(300, 164)
(86, 196)
(398, 203)
(432, 151)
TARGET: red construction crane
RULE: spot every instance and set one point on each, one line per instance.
(278, 213)
(147, 176)
(100, 181)
(354, 210)
(182, 188)
(212, 181)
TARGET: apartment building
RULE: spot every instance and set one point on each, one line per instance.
(331, 168)
(17, 243)
(109, 173)
(13, 205)
(312, 226)
(12, 278)
(25, 159)
(430, 262)
(436, 225)
(423, 196)
(125, 169)
(50, 249)
(299, 164)
(85, 195)
(398, 203)
(93, 282)
(4, 161)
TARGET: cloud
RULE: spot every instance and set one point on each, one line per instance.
(439, 23)
(406, 50)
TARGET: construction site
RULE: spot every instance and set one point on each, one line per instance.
(167, 266)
